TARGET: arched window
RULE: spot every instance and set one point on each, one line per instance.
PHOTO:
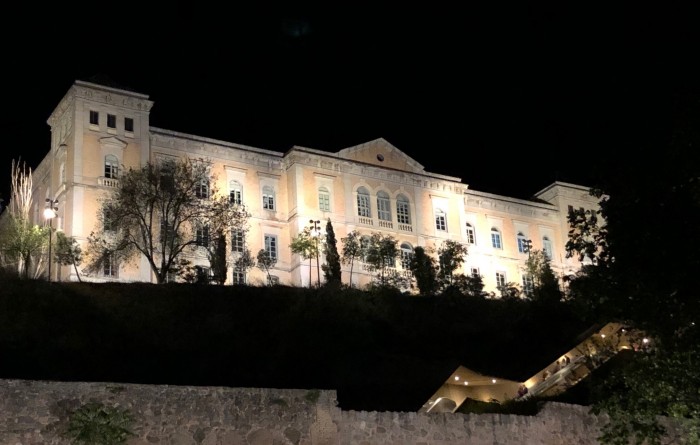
(496, 238)
(363, 208)
(268, 198)
(523, 245)
(403, 210)
(324, 199)
(440, 220)
(547, 247)
(383, 206)
(364, 247)
(471, 236)
(111, 167)
(406, 255)
(235, 192)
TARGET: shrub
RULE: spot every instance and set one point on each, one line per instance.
(97, 424)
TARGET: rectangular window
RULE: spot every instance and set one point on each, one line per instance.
(234, 196)
(471, 239)
(528, 284)
(268, 202)
(128, 124)
(110, 266)
(496, 240)
(238, 276)
(363, 208)
(402, 212)
(201, 190)
(324, 201)
(500, 279)
(440, 222)
(271, 246)
(109, 221)
(111, 121)
(475, 272)
(94, 118)
(203, 236)
(237, 240)
(384, 209)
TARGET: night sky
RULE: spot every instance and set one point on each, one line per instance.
(507, 97)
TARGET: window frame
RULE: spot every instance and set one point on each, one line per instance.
(202, 189)
(96, 115)
(271, 244)
(268, 198)
(110, 266)
(324, 199)
(470, 234)
(522, 242)
(111, 169)
(235, 192)
(501, 279)
(364, 208)
(128, 124)
(496, 239)
(547, 247)
(403, 210)
(237, 240)
(383, 206)
(440, 220)
(202, 236)
(111, 121)
(406, 255)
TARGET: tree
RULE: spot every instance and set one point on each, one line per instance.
(380, 252)
(643, 246)
(155, 211)
(424, 271)
(331, 270)
(22, 244)
(545, 285)
(352, 248)
(244, 262)
(266, 262)
(304, 245)
(223, 217)
(68, 252)
(451, 255)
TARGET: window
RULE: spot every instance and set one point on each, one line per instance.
(383, 206)
(475, 272)
(364, 247)
(238, 276)
(235, 194)
(496, 238)
(166, 231)
(406, 255)
(94, 118)
(111, 167)
(111, 121)
(523, 245)
(440, 220)
(202, 189)
(271, 246)
(471, 239)
(273, 280)
(324, 200)
(500, 279)
(237, 240)
(403, 212)
(528, 285)
(109, 221)
(110, 267)
(128, 124)
(202, 236)
(363, 208)
(268, 198)
(547, 247)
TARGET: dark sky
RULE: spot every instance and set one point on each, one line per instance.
(507, 97)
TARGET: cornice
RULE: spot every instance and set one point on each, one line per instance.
(112, 96)
(511, 206)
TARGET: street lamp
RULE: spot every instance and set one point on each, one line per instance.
(49, 214)
(316, 232)
(528, 246)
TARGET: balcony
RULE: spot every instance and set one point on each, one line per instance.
(108, 182)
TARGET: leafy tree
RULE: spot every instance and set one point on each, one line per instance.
(22, 244)
(154, 212)
(380, 253)
(545, 285)
(223, 217)
(68, 252)
(643, 248)
(451, 255)
(218, 258)
(471, 286)
(304, 245)
(265, 261)
(331, 270)
(244, 262)
(424, 270)
(352, 248)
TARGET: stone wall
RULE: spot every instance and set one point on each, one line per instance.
(37, 412)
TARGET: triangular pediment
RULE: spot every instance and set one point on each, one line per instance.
(381, 153)
(112, 142)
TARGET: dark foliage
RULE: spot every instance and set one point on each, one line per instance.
(380, 351)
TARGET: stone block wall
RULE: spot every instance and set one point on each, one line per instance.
(37, 412)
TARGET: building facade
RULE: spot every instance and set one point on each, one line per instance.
(98, 131)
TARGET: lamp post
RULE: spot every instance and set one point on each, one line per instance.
(316, 233)
(528, 246)
(49, 214)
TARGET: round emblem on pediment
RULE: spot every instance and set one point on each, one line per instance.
(380, 157)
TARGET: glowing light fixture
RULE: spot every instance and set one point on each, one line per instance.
(493, 380)
(645, 340)
(456, 377)
(466, 383)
